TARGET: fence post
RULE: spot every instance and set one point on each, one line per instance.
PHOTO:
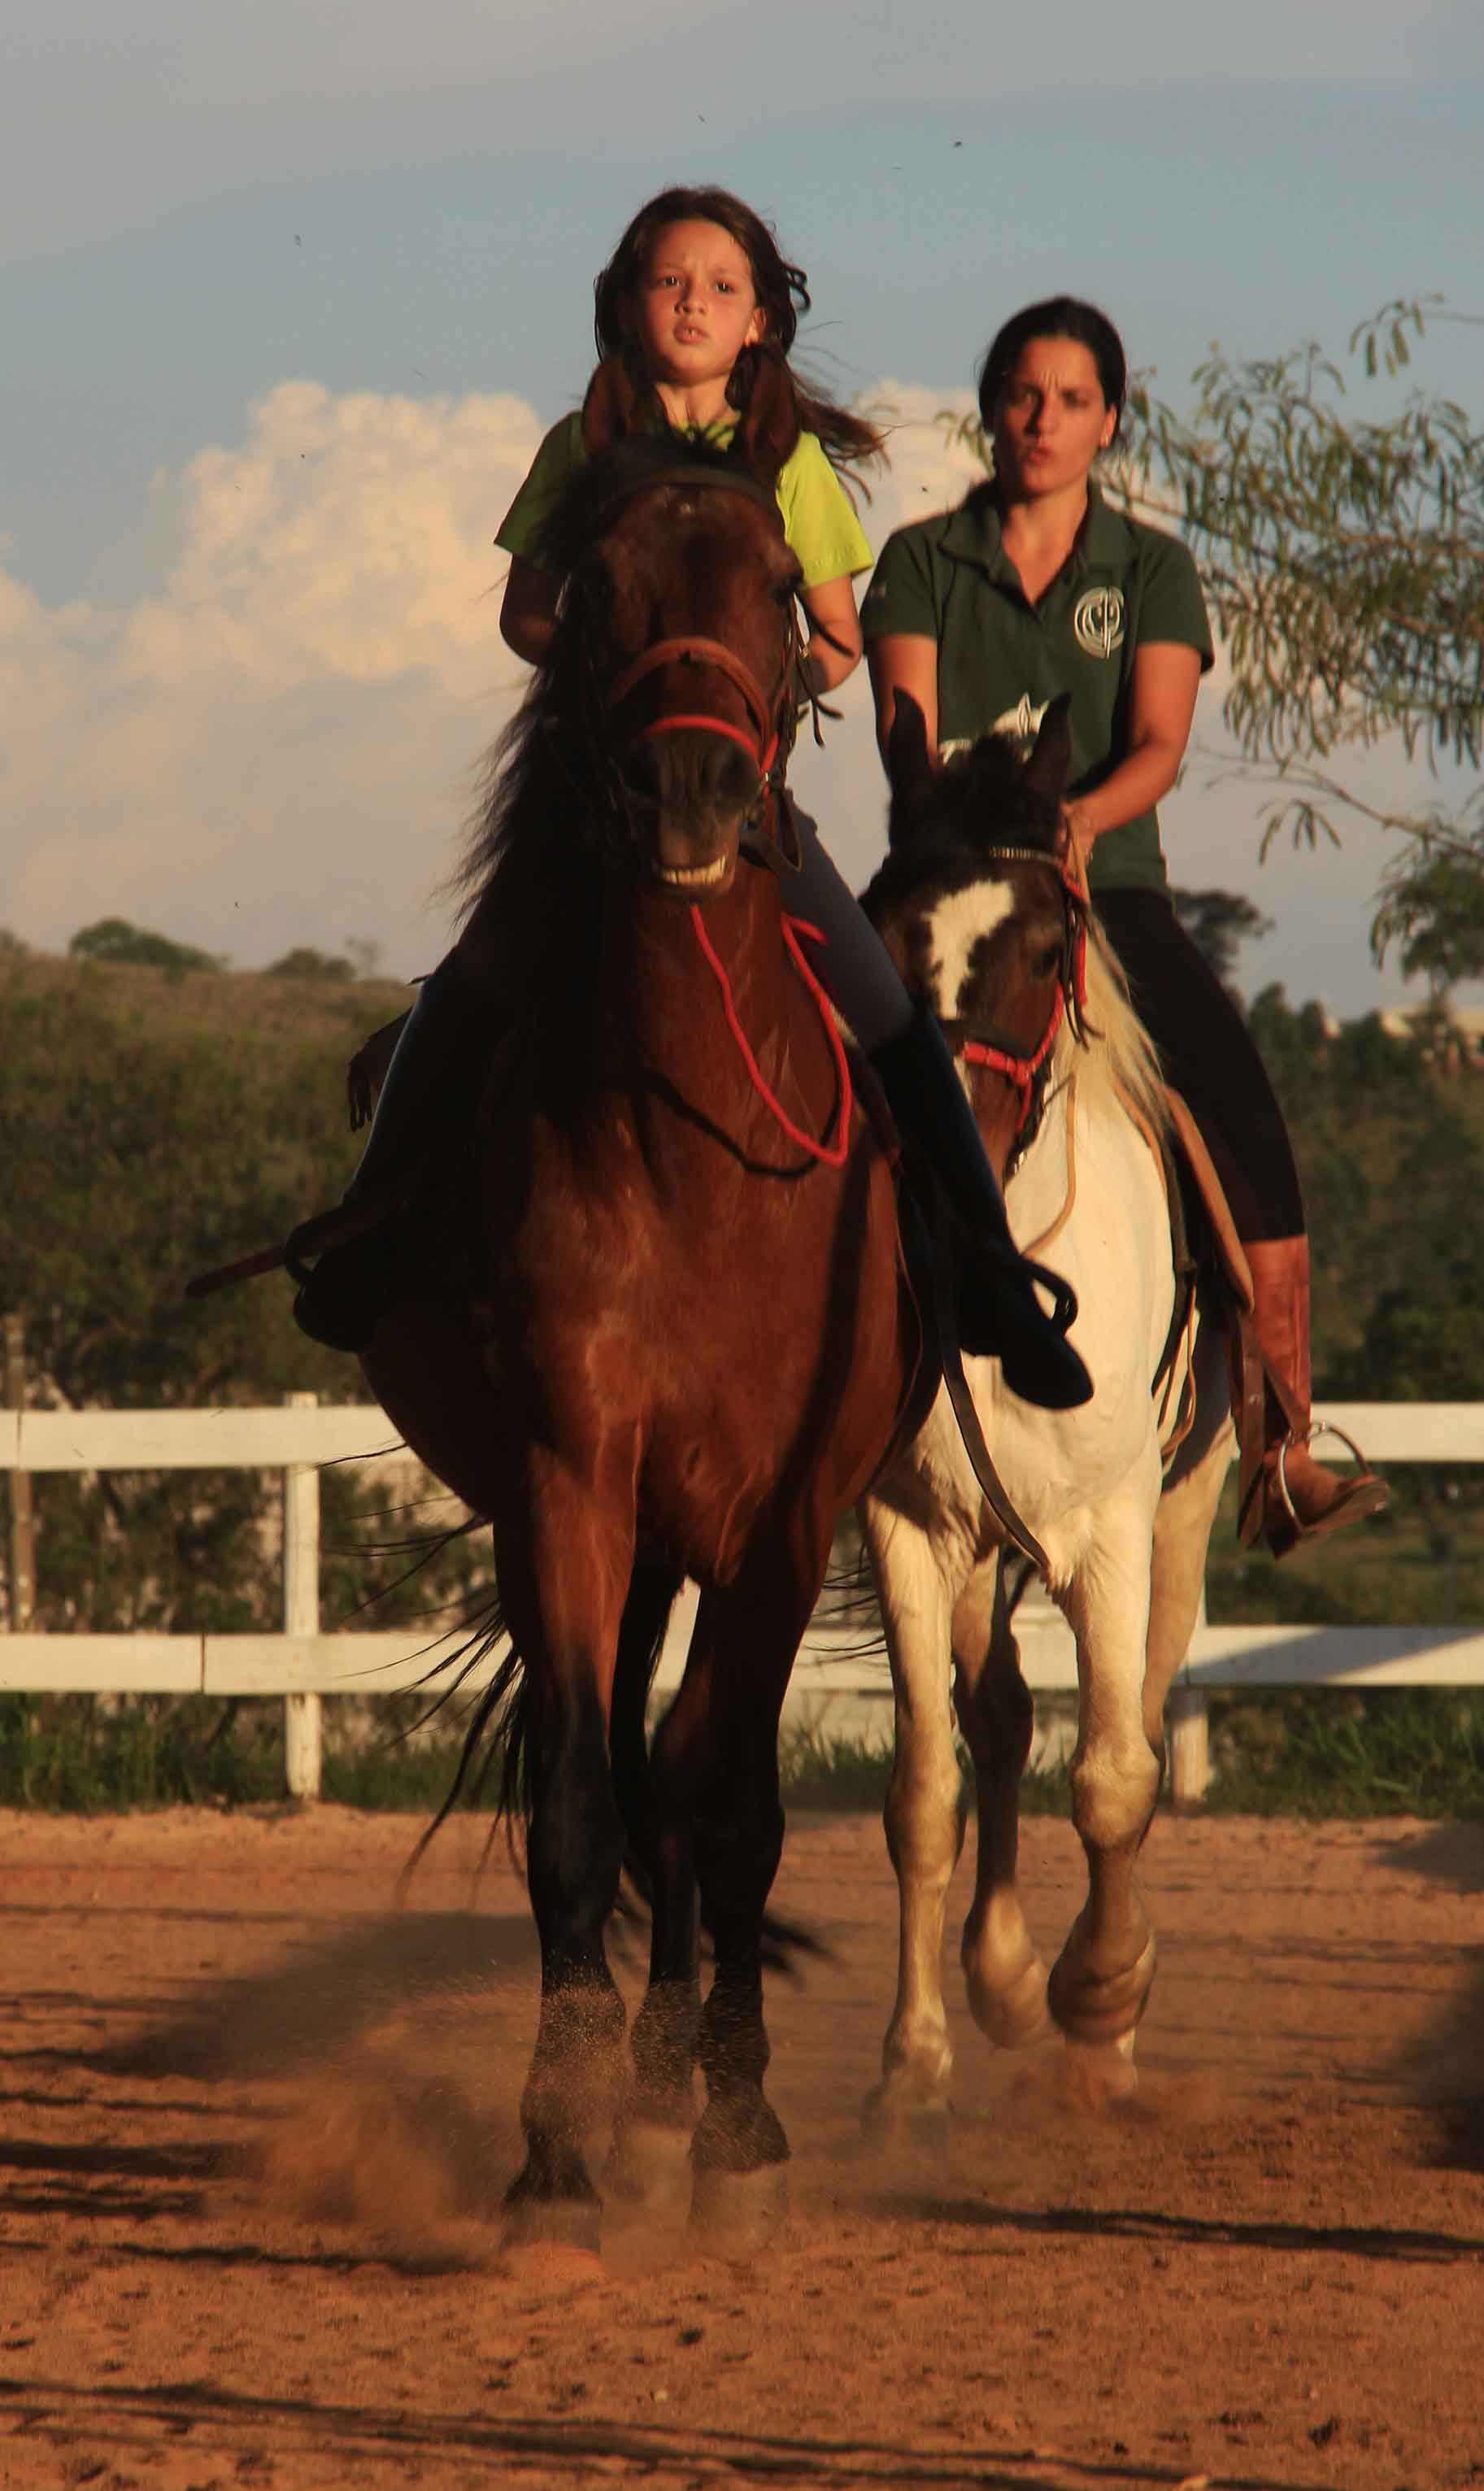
(22, 1552)
(302, 1725)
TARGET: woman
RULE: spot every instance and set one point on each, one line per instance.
(1032, 587)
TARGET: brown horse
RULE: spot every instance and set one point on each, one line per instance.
(671, 1340)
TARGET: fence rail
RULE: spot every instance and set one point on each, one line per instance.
(834, 1681)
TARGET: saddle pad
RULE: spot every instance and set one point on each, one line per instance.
(1186, 1138)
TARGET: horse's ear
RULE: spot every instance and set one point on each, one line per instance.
(768, 434)
(909, 767)
(1052, 757)
(611, 411)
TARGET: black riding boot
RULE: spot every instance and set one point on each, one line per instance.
(344, 1297)
(1000, 1314)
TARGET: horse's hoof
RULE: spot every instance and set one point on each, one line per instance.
(553, 2222)
(650, 2166)
(1091, 2007)
(739, 2213)
(1100, 2075)
(898, 2108)
(1015, 2017)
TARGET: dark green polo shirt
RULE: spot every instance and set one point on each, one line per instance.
(1001, 659)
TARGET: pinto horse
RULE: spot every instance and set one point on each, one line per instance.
(988, 930)
(677, 1341)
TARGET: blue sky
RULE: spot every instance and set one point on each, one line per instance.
(405, 209)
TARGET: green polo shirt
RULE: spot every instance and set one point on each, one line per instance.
(1001, 659)
(824, 534)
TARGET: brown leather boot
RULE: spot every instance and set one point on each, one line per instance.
(1294, 1498)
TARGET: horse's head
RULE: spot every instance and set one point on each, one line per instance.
(977, 911)
(678, 616)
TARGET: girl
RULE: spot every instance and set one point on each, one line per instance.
(1033, 587)
(695, 315)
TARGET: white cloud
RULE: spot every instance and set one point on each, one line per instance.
(250, 755)
(273, 744)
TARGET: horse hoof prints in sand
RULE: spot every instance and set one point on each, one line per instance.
(1120, 1494)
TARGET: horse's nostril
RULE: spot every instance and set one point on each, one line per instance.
(733, 780)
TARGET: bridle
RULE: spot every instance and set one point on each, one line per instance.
(983, 1043)
(773, 720)
(771, 714)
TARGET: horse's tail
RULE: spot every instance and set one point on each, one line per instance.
(501, 1727)
(503, 1718)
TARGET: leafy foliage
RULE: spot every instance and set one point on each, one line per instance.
(1432, 906)
(1217, 921)
(137, 947)
(1340, 553)
(303, 962)
(150, 1128)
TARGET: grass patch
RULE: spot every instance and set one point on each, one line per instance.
(1343, 1752)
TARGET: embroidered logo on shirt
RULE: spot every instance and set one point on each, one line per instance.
(1098, 621)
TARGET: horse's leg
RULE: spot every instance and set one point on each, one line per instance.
(728, 1785)
(923, 1812)
(649, 2159)
(1005, 1976)
(563, 1582)
(1182, 1528)
(1100, 1981)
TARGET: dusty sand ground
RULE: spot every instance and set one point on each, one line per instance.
(256, 2123)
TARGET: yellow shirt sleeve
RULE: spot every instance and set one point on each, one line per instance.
(819, 520)
(552, 469)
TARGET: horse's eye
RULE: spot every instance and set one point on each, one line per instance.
(1048, 960)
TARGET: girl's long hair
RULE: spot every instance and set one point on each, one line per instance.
(782, 292)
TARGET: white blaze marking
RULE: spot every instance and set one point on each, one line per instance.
(957, 925)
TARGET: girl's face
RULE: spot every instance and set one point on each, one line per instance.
(1051, 417)
(697, 306)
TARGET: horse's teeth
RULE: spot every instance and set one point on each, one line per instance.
(686, 876)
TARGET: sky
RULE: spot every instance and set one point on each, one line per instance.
(288, 295)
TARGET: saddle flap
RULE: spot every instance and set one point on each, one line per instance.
(1198, 1161)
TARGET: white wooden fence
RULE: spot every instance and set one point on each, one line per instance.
(834, 1683)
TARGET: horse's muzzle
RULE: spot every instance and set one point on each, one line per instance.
(698, 791)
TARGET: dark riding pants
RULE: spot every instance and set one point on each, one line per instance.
(1209, 1057)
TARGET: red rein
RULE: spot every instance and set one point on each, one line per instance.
(762, 750)
(830, 1153)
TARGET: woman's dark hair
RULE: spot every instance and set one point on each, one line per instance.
(782, 291)
(1063, 316)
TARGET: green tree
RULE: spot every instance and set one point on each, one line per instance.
(1432, 906)
(303, 962)
(1217, 921)
(112, 939)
